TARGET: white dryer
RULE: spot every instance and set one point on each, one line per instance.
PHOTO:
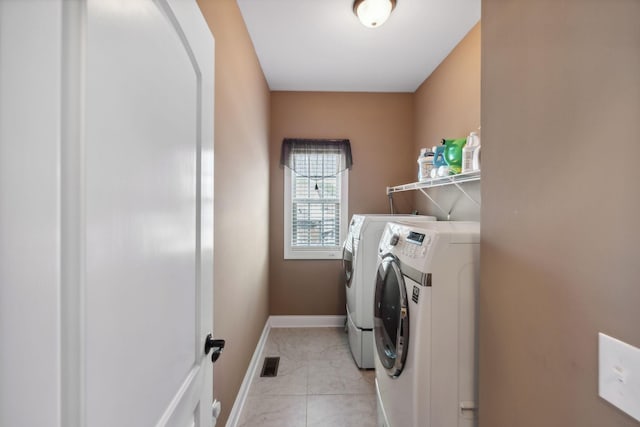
(359, 259)
(425, 324)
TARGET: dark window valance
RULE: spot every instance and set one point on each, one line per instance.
(303, 156)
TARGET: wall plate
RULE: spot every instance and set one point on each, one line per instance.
(619, 374)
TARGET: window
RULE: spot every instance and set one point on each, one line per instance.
(315, 202)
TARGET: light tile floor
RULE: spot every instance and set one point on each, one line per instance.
(318, 383)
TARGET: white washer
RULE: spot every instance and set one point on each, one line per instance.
(359, 261)
(425, 324)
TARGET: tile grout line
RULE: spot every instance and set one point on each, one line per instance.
(306, 410)
(306, 397)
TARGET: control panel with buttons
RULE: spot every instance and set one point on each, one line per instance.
(414, 245)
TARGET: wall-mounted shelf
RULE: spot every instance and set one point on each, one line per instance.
(454, 180)
(437, 182)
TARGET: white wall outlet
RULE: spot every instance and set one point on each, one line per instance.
(619, 374)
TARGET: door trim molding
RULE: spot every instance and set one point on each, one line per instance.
(73, 232)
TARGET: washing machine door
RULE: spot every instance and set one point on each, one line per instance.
(347, 259)
(391, 316)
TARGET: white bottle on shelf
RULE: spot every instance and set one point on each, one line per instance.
(425, 164)
(469, 152)
(476, 159)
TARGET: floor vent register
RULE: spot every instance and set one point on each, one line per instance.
(270, 367)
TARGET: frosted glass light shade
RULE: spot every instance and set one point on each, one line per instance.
(373, 13)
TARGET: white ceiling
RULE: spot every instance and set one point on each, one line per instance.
(319, 45)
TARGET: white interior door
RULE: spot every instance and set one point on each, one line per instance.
(148, 254)
(127, 302)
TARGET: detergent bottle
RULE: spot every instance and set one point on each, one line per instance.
(470, 151)
(453, 154)
(425, 164)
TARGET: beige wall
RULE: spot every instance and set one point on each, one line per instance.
(447, 105)
(560, 206)
(380, 128)
(241, 197)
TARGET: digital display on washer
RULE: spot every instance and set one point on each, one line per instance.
(416, 238)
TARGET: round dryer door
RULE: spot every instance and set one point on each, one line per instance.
(391, 316)
(347, 260)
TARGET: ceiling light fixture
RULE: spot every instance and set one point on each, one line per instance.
(373, 13)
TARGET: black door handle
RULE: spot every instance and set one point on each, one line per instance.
(216, 345)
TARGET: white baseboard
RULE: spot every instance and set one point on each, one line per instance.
(254, 365)
(241, 397)
(306, 321)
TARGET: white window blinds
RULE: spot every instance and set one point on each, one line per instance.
(315, 204)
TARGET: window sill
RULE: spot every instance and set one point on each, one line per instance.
(312, 254)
